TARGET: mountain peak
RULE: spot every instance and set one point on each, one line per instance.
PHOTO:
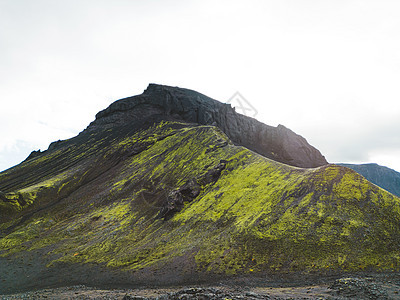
(161, 102)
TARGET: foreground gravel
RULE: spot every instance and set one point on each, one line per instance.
(340, 289)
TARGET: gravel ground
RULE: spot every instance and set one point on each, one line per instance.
(340, 289)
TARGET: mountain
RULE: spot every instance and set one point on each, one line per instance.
(383, 177)
(148, 195)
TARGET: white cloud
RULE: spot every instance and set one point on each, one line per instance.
(328, 70)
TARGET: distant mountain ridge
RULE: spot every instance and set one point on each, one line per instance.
(383, 177)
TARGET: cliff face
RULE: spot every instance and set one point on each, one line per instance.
(176, 104)
(383, 177)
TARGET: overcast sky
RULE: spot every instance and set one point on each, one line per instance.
(328, 70)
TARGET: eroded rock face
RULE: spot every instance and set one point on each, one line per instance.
(160, 102)
(189, 191)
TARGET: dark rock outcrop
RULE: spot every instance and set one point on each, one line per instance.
(203, 293)
(383, 177)
(160, 102)
(359, 288)
(189, 191)
(34, 154)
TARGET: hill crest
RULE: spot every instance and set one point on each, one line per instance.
(160, 102)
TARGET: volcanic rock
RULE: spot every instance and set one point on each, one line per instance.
(160, 102)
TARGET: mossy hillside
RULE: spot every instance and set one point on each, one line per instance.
(143, 165)
(143, 230)
(303, 226)
(259, 215)
(63, 157)
(57, 172)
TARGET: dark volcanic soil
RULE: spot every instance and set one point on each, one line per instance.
(26, 277)
(376, 286)
(344, 288)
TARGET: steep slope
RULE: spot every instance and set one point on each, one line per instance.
(384, 177)
(171, 103)
(174, 202)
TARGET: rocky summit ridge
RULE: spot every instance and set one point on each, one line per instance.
(160, 102)
(153, 196)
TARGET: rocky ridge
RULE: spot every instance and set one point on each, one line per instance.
(160, 102)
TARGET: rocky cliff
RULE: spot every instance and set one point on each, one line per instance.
(160, 102)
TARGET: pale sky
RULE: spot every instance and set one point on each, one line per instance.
(328, 70)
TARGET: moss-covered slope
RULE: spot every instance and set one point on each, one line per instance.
(176, 195)
(383, 177)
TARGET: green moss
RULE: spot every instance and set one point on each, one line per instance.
(259, 215)
(21, 238)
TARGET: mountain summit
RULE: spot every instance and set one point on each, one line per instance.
(152, 194)
(160, 102)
